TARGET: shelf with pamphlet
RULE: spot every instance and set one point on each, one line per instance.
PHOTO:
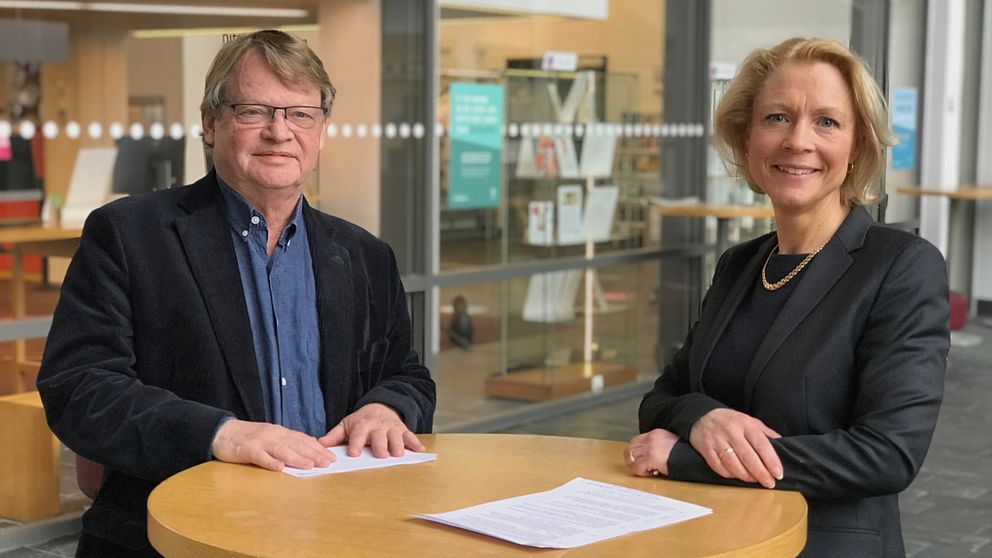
(565, 199)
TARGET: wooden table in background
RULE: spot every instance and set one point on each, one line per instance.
(42, 241)
(966, 192)
(722, 213)
(221, 510)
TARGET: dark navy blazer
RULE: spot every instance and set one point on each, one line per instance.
(151, 344)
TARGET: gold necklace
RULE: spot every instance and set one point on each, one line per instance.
(795, 271)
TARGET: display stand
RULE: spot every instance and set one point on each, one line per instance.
(542, 384)
(551, 298)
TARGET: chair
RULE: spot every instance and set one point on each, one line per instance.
(89, 476)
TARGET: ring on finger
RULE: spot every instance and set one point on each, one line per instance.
(727, 450)
(630, 456)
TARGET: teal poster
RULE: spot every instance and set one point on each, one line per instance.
(904, 100)
(476, 154)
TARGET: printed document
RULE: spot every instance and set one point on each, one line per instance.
(345, 463)
(579, 512)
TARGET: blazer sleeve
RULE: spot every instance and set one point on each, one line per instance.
(94, 401)
(403, 383)
(900, 359)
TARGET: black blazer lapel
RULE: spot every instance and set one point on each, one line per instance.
(206, 239)
(823, 272)
(719, 312)
(335, 316)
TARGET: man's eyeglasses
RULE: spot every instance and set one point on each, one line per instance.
(253, 114)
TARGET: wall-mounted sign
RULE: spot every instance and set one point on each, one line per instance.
(904, 102)
(559, 61)
(476, 154)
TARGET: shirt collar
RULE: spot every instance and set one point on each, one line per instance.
(242, 216)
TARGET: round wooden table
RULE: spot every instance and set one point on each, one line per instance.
(219, 509)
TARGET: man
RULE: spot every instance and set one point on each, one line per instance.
(228, 319)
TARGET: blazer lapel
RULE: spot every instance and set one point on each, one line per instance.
(718, 313)
(335, 316)
(823, 272)
(206, 239)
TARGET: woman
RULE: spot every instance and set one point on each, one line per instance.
(817, 362)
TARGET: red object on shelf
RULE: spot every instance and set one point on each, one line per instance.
(959, 310)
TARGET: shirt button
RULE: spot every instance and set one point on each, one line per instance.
(255, 220)
(244, 233)
(284, 382)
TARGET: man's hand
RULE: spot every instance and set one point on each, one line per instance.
(374, 425)
(268, 445)
(735, 445)
(647, 454)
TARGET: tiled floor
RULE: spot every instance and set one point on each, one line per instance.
(61, 547)
(947, 512)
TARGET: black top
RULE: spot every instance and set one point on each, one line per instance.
(723, 377)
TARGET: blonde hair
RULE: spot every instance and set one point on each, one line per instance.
(289, 57)
(733, 115)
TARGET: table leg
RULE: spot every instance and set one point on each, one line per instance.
(19, 307)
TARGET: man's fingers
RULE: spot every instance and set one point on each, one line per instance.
(358, 438)
(312, 450)
(292, 459)
(266, 461)
(411, 441)
(377, 426)
(378, 442)
(394, 439)
(335, 437)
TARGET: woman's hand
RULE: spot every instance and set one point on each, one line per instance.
(647, 454)
(735, 445)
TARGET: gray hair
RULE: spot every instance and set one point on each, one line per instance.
(289, 57)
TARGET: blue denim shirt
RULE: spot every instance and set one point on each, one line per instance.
(282, 306)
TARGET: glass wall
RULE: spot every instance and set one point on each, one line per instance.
(549, 161)
(564, 93)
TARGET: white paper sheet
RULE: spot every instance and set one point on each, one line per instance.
(601, 204)
(551, 296)
(568, 217)
(597, 155)
(345, 463)
(577, 513)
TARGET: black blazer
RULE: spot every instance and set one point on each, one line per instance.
(151, 345)
(850, 374)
